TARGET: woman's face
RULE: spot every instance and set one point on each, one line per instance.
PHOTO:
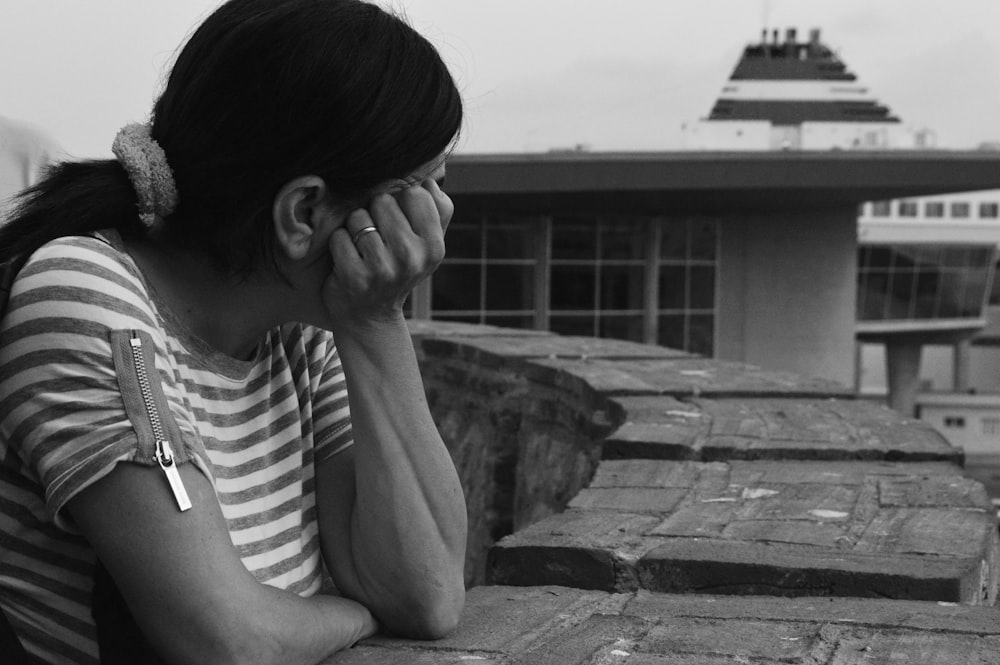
(319, 268)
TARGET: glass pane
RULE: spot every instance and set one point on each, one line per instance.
(981, 256)
(671, 331)
(872, 299)
(926, 293)
(574, 239)
(903, 258)
(956, 257)
(462, 240)
(927, 255)
(572, 287)
(511, 321)
(704, 234)
(455, 286)
(673, 240)
(509, 239)
(573, 325)
(621, 327)
(975, 291)
(623, 239)
(864, 257)
(621, 287)
(952, 294)
(995, 293)
(510, 287)
(673, 282)
(902, 293)
(702, 287)
(879, 256)
(701, 331)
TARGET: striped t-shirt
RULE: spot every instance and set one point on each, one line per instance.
(71, 408)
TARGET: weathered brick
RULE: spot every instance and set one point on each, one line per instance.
(584, 549)
(561, 626)
(802, 528)
(786, 569)
(753, 428)
(701, 377)
(595, 640)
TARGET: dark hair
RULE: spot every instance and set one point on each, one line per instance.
(262, 92)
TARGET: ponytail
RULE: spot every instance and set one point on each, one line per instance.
(74, 198)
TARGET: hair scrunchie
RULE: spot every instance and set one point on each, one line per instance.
(146, 165)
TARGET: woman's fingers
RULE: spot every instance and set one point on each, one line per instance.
(365, 234)
(423, 214)
(443, 202)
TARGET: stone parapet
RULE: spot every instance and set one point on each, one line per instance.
(652, 507)
(870, 529)
(562, 626)
(769, 428)
(529, 415)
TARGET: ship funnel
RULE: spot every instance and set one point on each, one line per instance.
(790, 37)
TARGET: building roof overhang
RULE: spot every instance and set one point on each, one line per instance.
(709, 181)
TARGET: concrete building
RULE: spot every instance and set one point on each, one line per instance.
(964, 219)
(741, 255)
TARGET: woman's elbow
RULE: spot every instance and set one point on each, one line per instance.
(432, 620)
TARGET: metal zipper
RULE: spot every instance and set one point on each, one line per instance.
(164, 453)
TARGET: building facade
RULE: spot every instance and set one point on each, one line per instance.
(744, 255)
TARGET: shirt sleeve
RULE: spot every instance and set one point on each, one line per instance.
(331, 412)
(61, 396)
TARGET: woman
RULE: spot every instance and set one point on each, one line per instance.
(176, 423)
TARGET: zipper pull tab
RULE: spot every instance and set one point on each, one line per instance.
(165, 458)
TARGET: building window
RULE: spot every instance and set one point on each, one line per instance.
(881, 208)
(991, 426)
(989, 210)
(907, 208)
(643, 279)
(490, 272)
(907, 282)
(687, 269)
(597, 276)
(954, 422)
(934, 209)
(995, 291)
(960, 209)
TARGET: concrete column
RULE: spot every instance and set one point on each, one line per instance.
(960, 365)
(792, 293)
(902, 360)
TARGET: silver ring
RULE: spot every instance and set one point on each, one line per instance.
(361, 232)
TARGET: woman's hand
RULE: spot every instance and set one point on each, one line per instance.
(373, 272)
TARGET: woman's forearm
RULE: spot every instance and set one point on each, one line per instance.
(408, 524)
(190, 593)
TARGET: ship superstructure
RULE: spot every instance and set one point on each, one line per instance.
(792, 95)
(925, 265)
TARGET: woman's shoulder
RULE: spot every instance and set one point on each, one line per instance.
(100, 248)
(91, 271)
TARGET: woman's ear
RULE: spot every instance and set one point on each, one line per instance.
(299, 209)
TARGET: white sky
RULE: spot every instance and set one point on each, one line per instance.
(536, 74)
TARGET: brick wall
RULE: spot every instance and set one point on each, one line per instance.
(634, 505)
